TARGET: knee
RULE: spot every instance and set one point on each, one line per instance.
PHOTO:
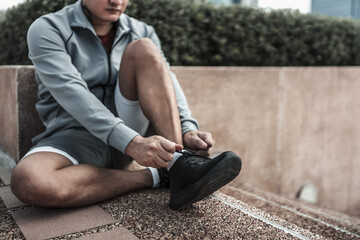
(33, 187)
(144, 50)
(19, 179)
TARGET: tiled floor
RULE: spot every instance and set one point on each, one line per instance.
(111, 235)
(21, 221)
(41, 223)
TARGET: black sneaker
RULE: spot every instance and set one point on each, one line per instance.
(194, 177)
(164, 177)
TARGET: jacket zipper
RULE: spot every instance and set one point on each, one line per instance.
(109, 64)
(109, 72)
(109, 57)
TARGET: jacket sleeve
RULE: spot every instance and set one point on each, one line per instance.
(188, 123)
(55, 70)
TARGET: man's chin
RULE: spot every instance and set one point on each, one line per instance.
(108, 20)
(112, 19)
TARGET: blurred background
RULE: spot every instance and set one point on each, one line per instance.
(259, 33)
(302, 5)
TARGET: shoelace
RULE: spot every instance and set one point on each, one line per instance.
(189, 152)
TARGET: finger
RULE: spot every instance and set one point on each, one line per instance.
(155, 165)
(160, 162)
(209, 140)
(166, 156)
(179, 147)
(205, 153)
(168, 145)
(199, 143)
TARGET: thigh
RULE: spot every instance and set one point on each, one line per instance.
(42, 163)
(36, 171)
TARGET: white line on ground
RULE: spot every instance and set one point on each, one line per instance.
(310, 209)
(254, 215)
(295, 211)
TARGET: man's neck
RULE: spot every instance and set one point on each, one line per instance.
(101, 28)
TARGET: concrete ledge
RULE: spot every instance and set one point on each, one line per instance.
(19, 121)
(290, 125)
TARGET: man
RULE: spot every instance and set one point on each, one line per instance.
(103, 83)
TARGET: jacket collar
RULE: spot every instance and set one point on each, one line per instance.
(80, 20)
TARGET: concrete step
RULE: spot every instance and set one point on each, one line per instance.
(249, 213)
(324, 222)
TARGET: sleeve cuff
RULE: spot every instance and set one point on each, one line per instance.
(121, 136)
(188, 126)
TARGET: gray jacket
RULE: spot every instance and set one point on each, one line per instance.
(76, 77)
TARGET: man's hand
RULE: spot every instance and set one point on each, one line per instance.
(202, 142)
(154, 151)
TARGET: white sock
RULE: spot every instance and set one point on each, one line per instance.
(155, 176)
(175, 157)
(155, 173)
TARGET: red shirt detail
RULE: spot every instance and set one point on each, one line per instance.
(108, 39)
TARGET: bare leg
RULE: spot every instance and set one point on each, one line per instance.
(51, 180)
(144, 76)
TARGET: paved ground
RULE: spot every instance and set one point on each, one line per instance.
(324, 222)
(248, 213)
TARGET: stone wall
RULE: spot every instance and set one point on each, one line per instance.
(291, 126)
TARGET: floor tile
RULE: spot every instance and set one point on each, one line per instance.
(118, 233)
(9, 198)
(42, 223)
(5, 175)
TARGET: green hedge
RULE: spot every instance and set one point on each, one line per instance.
(14, 26)
(1, 15)
(201, 34)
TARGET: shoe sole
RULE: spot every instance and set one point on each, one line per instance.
(220, 175)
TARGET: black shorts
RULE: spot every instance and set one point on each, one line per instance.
(82, 147)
